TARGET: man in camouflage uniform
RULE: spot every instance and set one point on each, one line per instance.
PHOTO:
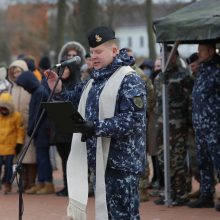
(179, 83)
(144, 180)
(206, 123)
(126, 129)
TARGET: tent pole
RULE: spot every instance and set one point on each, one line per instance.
(165, 98)
(166, 130)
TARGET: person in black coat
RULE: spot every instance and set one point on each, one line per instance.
(41, 137)
(70, 77)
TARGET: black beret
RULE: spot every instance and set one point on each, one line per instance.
(100, 35)
(192, 58)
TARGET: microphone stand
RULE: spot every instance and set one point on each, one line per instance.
(18, 167)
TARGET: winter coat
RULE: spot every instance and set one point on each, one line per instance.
(68, 84)
(206, 96)
(127, 129)
(12, 128)
(21, 100)
(38, 94)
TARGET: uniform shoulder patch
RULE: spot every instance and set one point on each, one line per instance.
(138, 102)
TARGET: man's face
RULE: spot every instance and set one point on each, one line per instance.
(205, 52)
(103, 55)
(89, 62)
(157, 65)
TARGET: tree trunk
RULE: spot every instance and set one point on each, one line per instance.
(151, 37)
(61, 14)
(85, 19)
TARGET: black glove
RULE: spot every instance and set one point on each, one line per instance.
(87, 129)
(18, 148)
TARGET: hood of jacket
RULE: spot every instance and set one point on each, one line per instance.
(17, 63)
(6, 102)
(28, 81)
(81, 52)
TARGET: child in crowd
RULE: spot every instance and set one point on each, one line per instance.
(11, 138)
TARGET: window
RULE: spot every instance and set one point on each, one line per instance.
(141, 41)
(129, 42)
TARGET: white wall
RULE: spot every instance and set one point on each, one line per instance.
(134, 35)
(131, 37)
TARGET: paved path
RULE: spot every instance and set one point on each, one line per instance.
(51, 207)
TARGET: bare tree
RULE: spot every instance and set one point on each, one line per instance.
(4, 43)
(61, 15)
(85, 17)
(151, 37)
(110, 9)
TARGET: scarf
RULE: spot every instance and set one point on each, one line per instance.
(77, 164)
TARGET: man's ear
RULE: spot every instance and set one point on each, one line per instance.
(115, 51)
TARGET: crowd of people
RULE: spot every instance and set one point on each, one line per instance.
(121, 103)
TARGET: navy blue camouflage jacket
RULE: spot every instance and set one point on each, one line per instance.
(127, 128)
(206, 94)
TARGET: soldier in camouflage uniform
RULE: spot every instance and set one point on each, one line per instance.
(144, 180)
(127, 129)
(179, 83)
(206, 123)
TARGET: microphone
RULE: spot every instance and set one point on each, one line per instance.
(75, 60)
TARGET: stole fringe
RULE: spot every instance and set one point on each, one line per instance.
(76, 210)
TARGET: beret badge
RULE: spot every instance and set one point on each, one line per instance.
(98, 38)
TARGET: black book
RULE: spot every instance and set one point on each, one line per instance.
(63, 114)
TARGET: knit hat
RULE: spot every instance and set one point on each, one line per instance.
(17, 63)
(44, 63)
(192, 58)
(147, 63)
(6, 101)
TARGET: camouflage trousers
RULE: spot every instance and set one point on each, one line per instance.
(208, 157)
(122, 195)
(179, 174)
(191, 151)
(144, 180)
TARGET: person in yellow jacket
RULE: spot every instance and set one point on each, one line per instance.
(11, 137)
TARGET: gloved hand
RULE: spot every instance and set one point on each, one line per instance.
(18, 148)
(86, 128)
